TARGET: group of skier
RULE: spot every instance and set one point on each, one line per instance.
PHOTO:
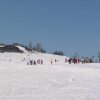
(78, 60)
(55, 61)
(74, 60)
(35, 62)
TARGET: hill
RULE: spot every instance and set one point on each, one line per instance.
(56, 81)
(10, 48)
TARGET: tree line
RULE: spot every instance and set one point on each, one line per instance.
(38, 48)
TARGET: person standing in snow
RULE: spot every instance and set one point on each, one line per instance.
(70, 60)
(51, 61)
(41, 61)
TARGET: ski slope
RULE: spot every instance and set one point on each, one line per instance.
(59, 81)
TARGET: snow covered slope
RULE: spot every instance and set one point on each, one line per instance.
(23, 49)
(56, 81)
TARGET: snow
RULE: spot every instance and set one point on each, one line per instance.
(23, 49)
(59, 81)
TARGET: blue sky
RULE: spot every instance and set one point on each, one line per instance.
(67, 25)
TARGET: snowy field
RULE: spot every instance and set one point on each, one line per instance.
(59, 81)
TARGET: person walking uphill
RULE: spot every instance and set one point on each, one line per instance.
(51, 61)
(70, 60)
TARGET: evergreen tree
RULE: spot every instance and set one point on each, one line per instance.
(58, 53)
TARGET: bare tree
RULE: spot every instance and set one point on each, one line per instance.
(38, 47)
(30, 45)
(76, 55)
(99, 56)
